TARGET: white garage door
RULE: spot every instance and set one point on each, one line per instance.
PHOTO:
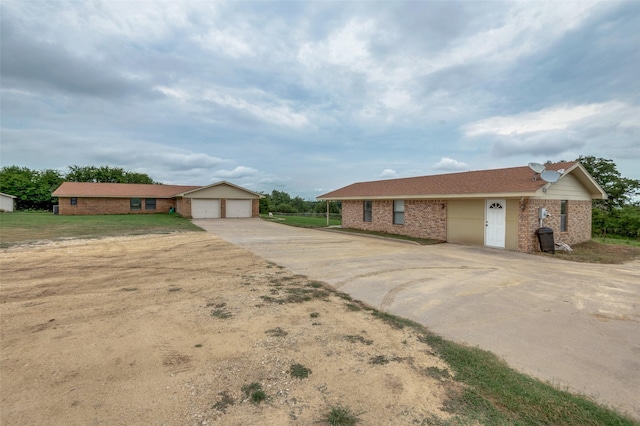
(238, 208)
(202, 208)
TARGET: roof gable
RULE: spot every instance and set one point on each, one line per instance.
(515, 181)
(224, 189)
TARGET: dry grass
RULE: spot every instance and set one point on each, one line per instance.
(595, 252)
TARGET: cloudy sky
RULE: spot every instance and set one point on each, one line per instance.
(307, 97)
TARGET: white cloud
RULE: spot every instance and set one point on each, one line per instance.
(227, 42)
(554, 118)
(274, 113)
(237, 173)
(449, 164)
(388, 173)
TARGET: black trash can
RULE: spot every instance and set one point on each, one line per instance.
(545, 237)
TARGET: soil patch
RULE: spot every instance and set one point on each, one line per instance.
(189, 329)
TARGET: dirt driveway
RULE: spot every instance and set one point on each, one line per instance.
(575, 325)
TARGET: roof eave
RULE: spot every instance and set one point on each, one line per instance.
(182, 194)
(519, 194)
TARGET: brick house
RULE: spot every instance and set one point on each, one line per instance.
(218, 200)
(498, 208)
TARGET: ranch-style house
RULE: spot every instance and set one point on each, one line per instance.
(499, 208)
(218, 200)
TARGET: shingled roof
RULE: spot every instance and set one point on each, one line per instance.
(119, 190)
(515, 181)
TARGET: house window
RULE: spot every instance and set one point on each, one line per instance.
(74, 201)
(149, 203)
(563, 216)
(136, 203)
(398, 212)
(368, 209)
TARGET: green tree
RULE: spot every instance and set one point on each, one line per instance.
(620, 190)
(105, 174)
(32, 188)
(619, 214)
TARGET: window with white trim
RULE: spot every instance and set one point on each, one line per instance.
(563, 215)
(398, 212)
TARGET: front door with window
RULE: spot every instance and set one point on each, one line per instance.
(495, 223)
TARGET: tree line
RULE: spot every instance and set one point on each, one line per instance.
(281, 202)
(619, 214)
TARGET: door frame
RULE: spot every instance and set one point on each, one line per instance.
(488, 203)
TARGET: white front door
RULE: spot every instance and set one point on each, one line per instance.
(495, 223)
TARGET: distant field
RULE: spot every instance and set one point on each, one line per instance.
(20, 227)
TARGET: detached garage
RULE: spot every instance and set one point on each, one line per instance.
(219, 200)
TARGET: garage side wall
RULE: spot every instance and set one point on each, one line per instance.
(466, 222)
(422, 218)
(579, 217)
(92, 206)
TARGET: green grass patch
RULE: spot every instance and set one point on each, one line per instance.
(21, 227)
(341, 416)
(421, 241)
(303, 221)
(299, 371)
(255, 393)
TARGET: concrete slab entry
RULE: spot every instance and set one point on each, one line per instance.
(574, 325)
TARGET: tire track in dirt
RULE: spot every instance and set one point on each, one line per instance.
(388, 299)
(393, 271)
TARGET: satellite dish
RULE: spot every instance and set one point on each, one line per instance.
(537, 167)
(550, 176)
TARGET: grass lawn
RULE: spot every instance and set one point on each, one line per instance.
(19, 227)
(600, 250)
(303, 221)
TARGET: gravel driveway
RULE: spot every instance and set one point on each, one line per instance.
(575, 325)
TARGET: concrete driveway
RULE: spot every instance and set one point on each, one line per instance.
(575, 325)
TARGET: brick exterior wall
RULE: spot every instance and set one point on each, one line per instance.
(422, 218)
(428, 219)
(95, 205)
(578, 223)
(90, 206)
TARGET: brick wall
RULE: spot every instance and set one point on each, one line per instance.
(87, 206)
(183, 207)
(578, 223)
(422, 218)
(255, 208)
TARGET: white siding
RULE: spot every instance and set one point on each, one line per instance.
(6, 203)
(221, 191)
(567, 188)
